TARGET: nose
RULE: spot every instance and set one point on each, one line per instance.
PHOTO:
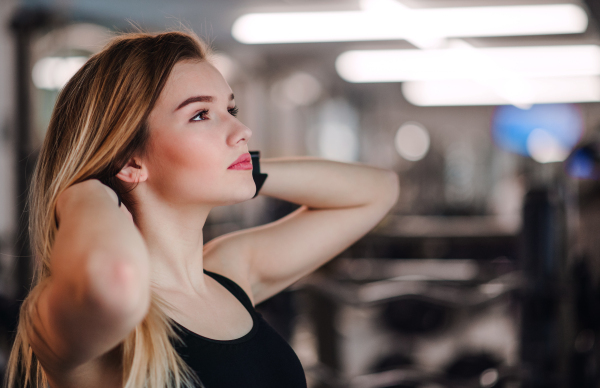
(239, 133)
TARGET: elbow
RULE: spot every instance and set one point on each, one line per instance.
(119, 287)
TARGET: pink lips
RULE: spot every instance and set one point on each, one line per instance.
(244, 162)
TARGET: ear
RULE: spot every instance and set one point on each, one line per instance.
(134, 171)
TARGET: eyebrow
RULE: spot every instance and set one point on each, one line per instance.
(200, 99)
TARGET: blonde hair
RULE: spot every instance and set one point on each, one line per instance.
(99, 122)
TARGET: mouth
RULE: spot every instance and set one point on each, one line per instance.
(244, 162)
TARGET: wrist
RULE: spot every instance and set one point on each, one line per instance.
(259, 178)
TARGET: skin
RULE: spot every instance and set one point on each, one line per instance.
(104, 265)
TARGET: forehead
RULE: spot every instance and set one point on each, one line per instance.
(192, 78)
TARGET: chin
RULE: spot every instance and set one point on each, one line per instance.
(241, 195)
(249, 195)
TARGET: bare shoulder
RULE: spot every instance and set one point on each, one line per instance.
(228, 255)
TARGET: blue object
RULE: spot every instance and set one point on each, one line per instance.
(511, 126)
(584, 163)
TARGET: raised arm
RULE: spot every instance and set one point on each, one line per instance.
(341, 203)
(325, 184)
(99, 287)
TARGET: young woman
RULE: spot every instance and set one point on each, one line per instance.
(126, 294)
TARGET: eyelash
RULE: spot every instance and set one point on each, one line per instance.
(232, 111)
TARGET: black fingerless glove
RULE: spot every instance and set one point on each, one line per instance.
(259, 178)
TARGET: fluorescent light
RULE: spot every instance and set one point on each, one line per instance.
(391, 23)
(471, 92)
(498, 62)
(484, 76)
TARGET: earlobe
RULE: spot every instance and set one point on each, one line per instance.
(134, 171)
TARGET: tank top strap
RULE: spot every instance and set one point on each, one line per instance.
(234, 288)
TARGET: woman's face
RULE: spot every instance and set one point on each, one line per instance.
(195, 137)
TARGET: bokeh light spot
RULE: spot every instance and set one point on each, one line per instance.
(412, 141)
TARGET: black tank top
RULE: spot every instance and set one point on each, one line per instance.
(259, 359)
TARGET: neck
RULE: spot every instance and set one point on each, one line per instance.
(173, 235)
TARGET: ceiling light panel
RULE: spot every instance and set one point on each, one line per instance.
(391, 23)
(468, 63)
(471, 92)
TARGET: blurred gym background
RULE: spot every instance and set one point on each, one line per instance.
(486, 273)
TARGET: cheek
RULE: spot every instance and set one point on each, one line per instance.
(183, 153)
(184, 160)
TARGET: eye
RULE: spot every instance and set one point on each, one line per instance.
(200, 116)
(233, 111)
